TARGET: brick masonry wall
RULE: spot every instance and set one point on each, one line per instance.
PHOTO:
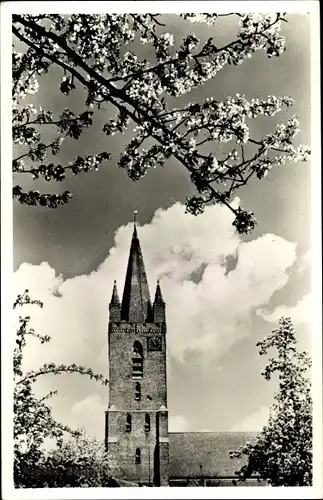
(122, 445)
(121, 383)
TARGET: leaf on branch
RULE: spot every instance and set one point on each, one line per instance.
(67, 85)
(244, 221)
(33, 198)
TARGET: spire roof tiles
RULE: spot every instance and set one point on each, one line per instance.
(136, 304)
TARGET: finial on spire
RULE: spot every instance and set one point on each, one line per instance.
(134, 224)
(135, 212)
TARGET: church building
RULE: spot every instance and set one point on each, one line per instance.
(137, 438)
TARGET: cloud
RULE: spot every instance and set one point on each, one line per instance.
(254, 422)
(215, 313)
(299, 313)
(304, 263)
(206, 316)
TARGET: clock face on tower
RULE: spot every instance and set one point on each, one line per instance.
(154, 343)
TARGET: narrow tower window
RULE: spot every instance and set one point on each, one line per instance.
(138, 392)
(128, 423)
(137, 360)
(147, 422)
(138, 456)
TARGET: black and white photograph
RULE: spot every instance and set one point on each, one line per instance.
(161, 262)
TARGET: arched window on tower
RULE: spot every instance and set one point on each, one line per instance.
(137, 360)
(138, 456)
(138, 392)
(147, 422)
(128, 423)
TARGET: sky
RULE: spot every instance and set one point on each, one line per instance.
(223, 292)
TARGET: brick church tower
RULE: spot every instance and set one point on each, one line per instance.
(136, 425)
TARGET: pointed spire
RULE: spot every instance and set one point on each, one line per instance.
(114, 306)
(158, 295)
(159, 305)
(136, 305)
(115, 297)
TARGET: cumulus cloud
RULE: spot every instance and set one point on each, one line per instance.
(207, 315)
(300, 312)
(254, 422)
(304, 262)
(215, 313)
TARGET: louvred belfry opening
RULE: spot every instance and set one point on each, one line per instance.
(136, 304)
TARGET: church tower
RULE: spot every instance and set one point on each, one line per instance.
(136, 432)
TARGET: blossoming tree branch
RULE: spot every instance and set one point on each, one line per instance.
(34, 423)
(283, 452)
(95, 52)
